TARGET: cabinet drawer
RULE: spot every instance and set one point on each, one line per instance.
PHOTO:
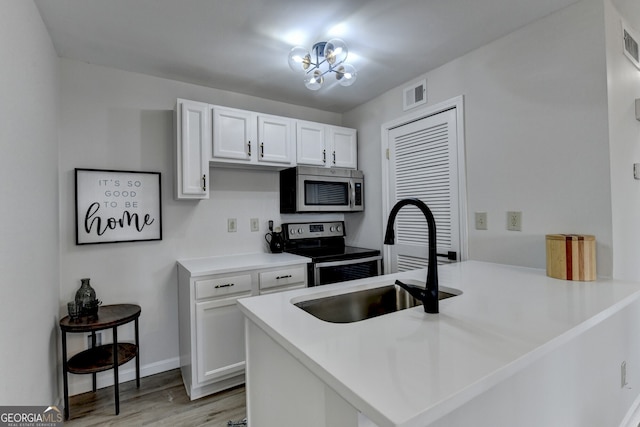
(285, 276)
(282, 289)
(223, 286)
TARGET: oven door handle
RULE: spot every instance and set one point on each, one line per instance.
(319, 265)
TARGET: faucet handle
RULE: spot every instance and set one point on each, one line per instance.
(415, 291)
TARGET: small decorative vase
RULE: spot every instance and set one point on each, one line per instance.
(85, 295)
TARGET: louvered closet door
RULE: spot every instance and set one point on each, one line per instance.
(423, 165)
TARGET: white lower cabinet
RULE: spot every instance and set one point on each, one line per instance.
(219, 321)
(212, 341)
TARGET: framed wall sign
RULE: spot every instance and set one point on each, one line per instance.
(117, 206)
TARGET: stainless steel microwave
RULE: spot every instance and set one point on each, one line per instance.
(312, 189)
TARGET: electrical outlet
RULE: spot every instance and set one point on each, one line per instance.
(232, 225)
(481, 220)
(255, 224)
(514, 221)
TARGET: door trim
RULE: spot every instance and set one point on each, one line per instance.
(457, 103)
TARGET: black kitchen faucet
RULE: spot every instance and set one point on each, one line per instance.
(428, 295)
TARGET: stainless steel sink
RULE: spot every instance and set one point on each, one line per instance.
(360, 305)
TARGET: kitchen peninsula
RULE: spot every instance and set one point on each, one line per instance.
(515, 348)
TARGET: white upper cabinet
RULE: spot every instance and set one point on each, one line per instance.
(233, 135)
(245, 137)
(325, 145)
(193, 139)
(275, 140)
(310, 143)
(344, 147)
(218, 135)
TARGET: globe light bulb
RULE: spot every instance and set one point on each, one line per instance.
(335, 51)
(299, 59)
(314, 80)
(346, 74)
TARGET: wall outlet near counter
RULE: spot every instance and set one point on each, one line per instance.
(481, 220)
(514, 221)
(232, 225)
(255, 224)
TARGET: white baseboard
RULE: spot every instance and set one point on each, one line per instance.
(82, 383)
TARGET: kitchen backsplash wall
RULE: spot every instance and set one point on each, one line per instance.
(111, 119)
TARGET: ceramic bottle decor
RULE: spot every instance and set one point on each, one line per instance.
(86, 295)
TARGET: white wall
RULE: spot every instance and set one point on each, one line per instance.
(29, 208)
(113, 119)
(624, 140)
(536, 137)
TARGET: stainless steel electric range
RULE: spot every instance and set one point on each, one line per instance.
(332, 260)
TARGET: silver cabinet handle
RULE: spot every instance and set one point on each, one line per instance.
(249, 144)
(324, 156)
(226, 285)
(204, 182)
(283, 277)
(262, 149)
(334, 157)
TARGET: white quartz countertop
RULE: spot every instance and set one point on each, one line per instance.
(239, 262)
(410, 368)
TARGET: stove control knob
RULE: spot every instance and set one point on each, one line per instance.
(332, 229)
(300, 230)
(339, 228)
(292, 231)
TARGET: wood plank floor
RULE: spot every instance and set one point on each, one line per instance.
(161, 400)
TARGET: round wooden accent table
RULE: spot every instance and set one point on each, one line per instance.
(102, 357)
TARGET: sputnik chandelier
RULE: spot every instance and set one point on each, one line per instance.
(329, 58)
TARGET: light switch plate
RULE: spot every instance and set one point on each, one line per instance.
(232, 225)
(514, 221)
(255, 224)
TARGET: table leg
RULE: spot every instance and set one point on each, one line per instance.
(116, 384)
(93, 344)
(137, 355)
(64, 375)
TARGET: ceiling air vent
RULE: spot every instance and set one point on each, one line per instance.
(630, 41)
(415, 95)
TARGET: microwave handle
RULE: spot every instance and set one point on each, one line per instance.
(352, 195)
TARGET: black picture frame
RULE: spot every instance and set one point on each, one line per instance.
(113, 206)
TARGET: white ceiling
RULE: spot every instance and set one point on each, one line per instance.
(242, 45)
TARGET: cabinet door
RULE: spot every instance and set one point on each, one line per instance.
(310, 143)
(274, 139)
(344, 147)
(232, 134)
(193, 132)
(220, 339)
